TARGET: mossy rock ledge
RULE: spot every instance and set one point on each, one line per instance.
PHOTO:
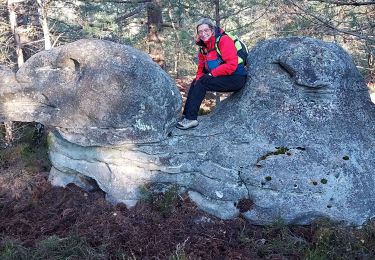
(297, 143)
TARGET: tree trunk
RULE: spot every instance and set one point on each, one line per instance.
(154, 28)
(16, 35)
(9, 137)
(178, 47)
(217, 19)
(43, 21)
(47, 43)
(217, 12)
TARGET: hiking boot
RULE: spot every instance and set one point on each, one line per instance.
(186, 124)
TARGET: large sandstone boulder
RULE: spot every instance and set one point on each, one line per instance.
(95, 93)
(301, 134)
(295, 143)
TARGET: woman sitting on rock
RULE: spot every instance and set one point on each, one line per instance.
(219, 72)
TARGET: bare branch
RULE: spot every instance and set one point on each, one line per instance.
(57, 38)
(255, 19)
(195, 13)
(236, 13)
(137, 10)
(10, 2)
(352, 3)
(331, 26)
(123, 1)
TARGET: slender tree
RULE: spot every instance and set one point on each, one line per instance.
(154, 29)
(12, 4)
(42, 10)
(217, 19)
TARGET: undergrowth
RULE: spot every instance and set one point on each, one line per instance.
(339, 242)
(29, 151)
(71, 247)
(320, 240)
(164, 202)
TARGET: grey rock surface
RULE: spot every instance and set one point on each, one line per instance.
(300, 134)
(7, 77)
(297, 141)
(95, 92)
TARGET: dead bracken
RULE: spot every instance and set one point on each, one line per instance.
(245, 205)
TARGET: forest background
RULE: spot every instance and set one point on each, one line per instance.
(166, 28)
(49, 223)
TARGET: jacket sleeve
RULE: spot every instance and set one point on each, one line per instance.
(229, 56)
(200, 73)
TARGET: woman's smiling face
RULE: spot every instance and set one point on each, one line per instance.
(204, 32)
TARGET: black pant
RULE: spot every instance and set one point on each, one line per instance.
(199, 88)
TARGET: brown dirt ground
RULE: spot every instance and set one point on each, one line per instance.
(35, 210)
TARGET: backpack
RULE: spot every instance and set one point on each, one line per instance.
(242, 51)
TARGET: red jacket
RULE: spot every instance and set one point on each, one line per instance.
(228, 55)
